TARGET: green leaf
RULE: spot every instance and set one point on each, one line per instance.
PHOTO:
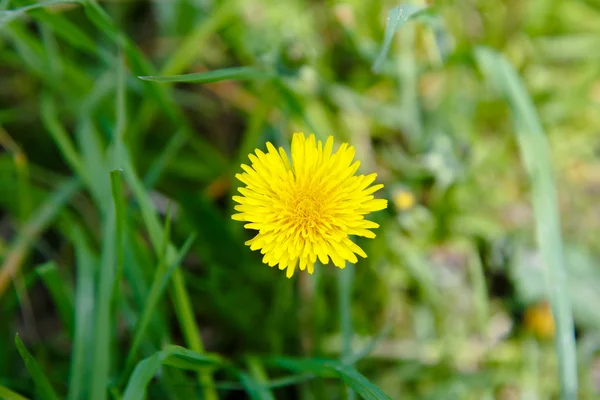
(71, 33)
(535, 154)
(174, 356)
(32, 230)
(40, 380)
(7, 394)
(121, 113)
(84, 315)
(103, 331)
(345, 279)
(255, 382)
(121, 221)
(225, 74)
(328, 368)
(10, 15)
(61, 137)
(158, 286)
(180, 297)
(59, 290)
(397, 17)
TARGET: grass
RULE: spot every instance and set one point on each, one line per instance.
(123, 124)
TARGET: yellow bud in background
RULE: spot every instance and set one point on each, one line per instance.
(404, 200)
(539, 320)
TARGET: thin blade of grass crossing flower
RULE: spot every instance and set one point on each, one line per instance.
(534, 148)
(225, 74)
(174, 356)
(328, 368)
(397, 17)
(45, 389)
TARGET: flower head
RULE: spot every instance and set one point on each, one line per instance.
(308, 207)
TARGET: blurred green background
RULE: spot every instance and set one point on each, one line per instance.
(116, 241)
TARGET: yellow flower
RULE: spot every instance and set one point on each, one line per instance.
(404, 200)
(307, 208)
(539, 320)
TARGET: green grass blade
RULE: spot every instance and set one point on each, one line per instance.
(36, 224)
(397, 17)
(256, 380)
(103, 324)
(93, 157)
(327, 368)
(121, 113)
(345, 278)
(180, 296)
(535, 153)
(159, 164)
(225, 74)
(7, 394)
(85, 301)
(71, 33)
(120, 216)
(10, 15)
(193, 44)
(61, 137)
(59, 292)
(175, 356)
(40, 380)
(158, 286)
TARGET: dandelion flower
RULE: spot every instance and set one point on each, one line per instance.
(306, 208)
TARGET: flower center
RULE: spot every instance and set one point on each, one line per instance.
(307, 209)
(305, 214)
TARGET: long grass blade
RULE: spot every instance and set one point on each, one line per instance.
(59, 290)
(345, 278)
(255, 381)
(397, 17)
(32, 229)
(7, 394)
(180, 296)
(225, 74)
(329, 368)
(535, 153)
(103, 326)
(85, 301)
(40, 380)
(175, 356)
(10, 15)
(159, 284)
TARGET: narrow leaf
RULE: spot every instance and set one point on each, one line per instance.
(7, 394)
(328, 368)
(59, 290)
(226, 74)
(535, 153)
(40, 380)
(397, 17)
(174, 356)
